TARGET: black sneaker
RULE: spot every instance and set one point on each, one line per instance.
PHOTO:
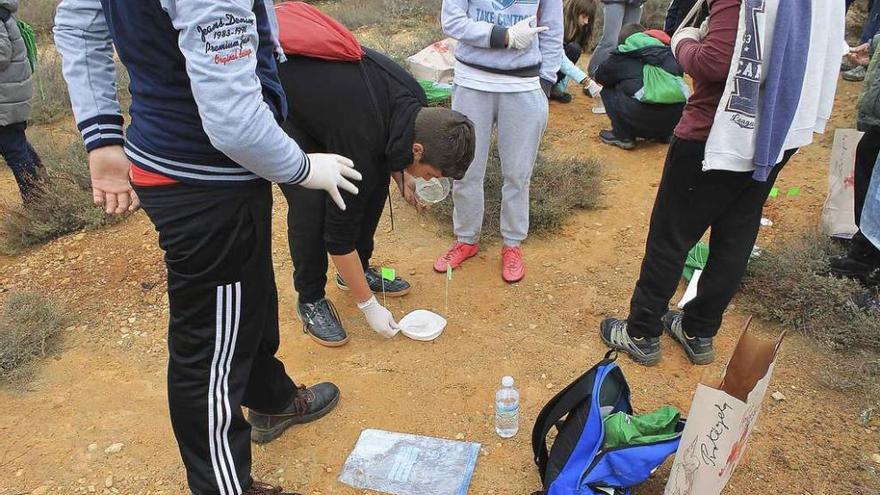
(699, 349)
(848, 267)
(608, 137)
(258, 488)
(559, 95)
(644, 351)
(310, 404)
(393, 288)
(321, 322)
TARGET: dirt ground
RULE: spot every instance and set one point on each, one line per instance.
(107, 383)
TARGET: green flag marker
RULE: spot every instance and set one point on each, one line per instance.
(794, 192)
(774, 192)
(388, 274)
(448, 271)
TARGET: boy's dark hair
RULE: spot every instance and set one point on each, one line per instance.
(629, 30)
(448, 139)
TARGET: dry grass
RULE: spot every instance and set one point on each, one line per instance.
(560, 187)
(63, 205)
(789, 285)
(29, 327)
(50, 101)
(40, 14)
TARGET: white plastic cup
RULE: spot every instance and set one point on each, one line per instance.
(430, 192)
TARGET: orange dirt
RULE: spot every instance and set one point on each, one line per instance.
(107, 384)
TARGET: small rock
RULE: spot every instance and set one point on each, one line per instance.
(459, 436)
(549, 386)
(93, 447)
(533, 326)
(114, 448)
(79, 237)
(40, 490)
(109, 481)
(91, 488)
(778, 396)
(876, 458)
(543, 376)
(328, 469)
(19, 473)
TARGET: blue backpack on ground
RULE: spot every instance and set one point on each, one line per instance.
(577, 463)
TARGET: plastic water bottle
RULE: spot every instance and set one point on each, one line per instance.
(507, 409)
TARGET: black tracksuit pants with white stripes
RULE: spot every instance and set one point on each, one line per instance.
(223, 328)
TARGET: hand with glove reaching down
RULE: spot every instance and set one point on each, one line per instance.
(380, 319)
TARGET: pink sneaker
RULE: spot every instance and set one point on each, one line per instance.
(456, 255)
(513, 268)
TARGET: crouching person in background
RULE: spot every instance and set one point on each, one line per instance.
(643, 89)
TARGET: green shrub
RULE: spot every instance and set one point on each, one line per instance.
(29, 326)
(63, 204)
(40, 14)
(560, 186)
(789, 284)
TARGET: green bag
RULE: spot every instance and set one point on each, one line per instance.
(696, 260)
(30, 41)
(621, 429)
(437, 94)
(660, 87)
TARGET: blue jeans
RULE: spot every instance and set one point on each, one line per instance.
(20, 157)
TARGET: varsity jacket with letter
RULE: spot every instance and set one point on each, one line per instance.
(206, 100)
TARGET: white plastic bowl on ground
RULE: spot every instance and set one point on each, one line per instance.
(422, 325)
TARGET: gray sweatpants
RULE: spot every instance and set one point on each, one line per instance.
(616, 15)
(520, 119)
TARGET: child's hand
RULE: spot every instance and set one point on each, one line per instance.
(407, 186)
(859, 55)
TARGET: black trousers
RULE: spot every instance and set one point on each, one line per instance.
(305, 235)
(690, 201)
(223, 327)
(632, 119)
(20, 157)
(866, 156)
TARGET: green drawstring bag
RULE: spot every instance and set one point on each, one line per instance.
(30, 41)
(621, 429)
(660, 87)
(437, 94)
(696, 260)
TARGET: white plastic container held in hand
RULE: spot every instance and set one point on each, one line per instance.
(430, 192)
(507, 409)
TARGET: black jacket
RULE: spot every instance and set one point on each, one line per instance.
(365, 111)
(625, 70)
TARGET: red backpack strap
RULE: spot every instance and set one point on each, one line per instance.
(304, 30)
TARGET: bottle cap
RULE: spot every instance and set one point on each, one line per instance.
(507, 381)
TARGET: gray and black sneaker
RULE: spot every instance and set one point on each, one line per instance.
(322, 323)
(867, 300)
(699, 349)
(393, 288)
(644, 351)
(856, 74)
(608, 137)
(310, 404)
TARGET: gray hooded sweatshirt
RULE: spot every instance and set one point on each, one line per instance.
(16, 87)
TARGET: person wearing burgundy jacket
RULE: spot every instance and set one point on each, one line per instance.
(689, 202)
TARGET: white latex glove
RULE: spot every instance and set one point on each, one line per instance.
(685, 33)
(331, 173)
(521, 34)
(380, 319)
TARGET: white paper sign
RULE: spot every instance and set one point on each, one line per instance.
(838, 218)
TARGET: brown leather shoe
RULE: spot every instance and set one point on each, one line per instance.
(259, 488)
(309, 405)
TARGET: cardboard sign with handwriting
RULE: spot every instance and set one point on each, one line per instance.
(722, 418)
